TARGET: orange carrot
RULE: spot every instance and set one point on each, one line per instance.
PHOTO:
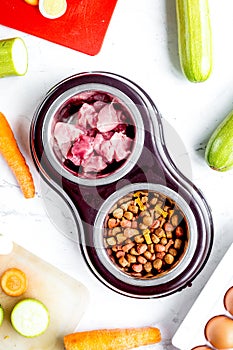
(112, 339)
(14, 282)
(13, 156)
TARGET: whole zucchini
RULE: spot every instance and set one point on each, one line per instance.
(194, 39)
(219, 149)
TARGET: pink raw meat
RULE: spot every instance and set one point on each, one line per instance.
(94, 164)
(81, 150)
(87, 116)
(65, 134)
(108, 118)
(121, 145)
(99, 137)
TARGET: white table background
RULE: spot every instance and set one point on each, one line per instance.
(141, 44)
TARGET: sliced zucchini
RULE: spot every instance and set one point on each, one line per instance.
(13, 57)
(30, 317)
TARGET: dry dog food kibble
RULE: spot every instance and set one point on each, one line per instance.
(145, 234)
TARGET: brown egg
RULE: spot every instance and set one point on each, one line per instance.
(228, 300)
(201, 347)
(219, 332)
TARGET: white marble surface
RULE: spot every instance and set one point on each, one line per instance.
(141, 44)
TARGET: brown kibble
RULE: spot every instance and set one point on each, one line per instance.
(133, 209)
(162, 221)
(169, 234)
(141, 259)
(155, 239)
(134, 224)
(141, 248)
(118, 213)
(160, 232)
(139, 239)
(125, 223)
(131, 258)
(177, 243)
(168, 227)
(160, 255)
(153, 201)
(155, 224)
(120, 238)
(148, 266)
(175, 220)
(147, 220)
(145, 213)
(128, 215)
(163, 240)
(123, 262)
(111, 241)
(151, 248)
(169, 244)
(116, 230)
(148, 255)
(157, 264)
(137, 267)
(116, 247)
(159, 248)
(127, 247)
(133, 251)
(169, 259)
(144, 199)
(120, 253)
(172, 251)
(179, 231)
(142, 226)
(112, 223)
(130, 232)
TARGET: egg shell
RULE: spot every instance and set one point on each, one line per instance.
(202, 347)
(219, 332)
(228, 300)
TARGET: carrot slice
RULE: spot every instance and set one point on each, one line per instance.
(112, 339)
(13, 156)
(14, 282)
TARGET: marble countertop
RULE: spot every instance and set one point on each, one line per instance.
(140, 44)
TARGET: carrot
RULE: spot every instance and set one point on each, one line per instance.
(13, 156)
(14, 282)
(112, 339)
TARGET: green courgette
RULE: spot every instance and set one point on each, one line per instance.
(194, 39)
(13, 57)
(30, 317)
(219, 149)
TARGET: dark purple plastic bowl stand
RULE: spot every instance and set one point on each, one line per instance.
(151, 167)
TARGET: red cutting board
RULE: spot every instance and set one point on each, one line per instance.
(82, 27)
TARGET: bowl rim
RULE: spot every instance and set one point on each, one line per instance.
(138, 140)
(186, 256)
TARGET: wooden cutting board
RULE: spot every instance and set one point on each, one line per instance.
(82, 27)
(65, 298)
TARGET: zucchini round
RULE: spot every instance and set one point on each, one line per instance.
(30, 317)
(194, 39)
(219, 149)
(13, 57)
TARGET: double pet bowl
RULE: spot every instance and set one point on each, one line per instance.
(132, 255)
